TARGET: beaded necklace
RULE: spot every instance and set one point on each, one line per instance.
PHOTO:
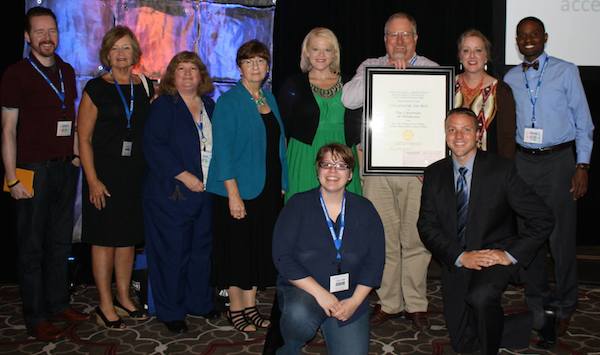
(468, 93)
(329, 92)
(261, 99)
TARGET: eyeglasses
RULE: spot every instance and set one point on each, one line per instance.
(405, 35)
(252, 62)
(341, 166)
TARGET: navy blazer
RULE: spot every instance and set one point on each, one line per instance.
(496, 197)
(172, 145)
(303, 246)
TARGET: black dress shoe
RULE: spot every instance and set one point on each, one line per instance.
(176, 326)
(548, 332)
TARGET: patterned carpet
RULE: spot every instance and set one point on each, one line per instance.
(218, 337)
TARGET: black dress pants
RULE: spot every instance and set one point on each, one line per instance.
(44, 234)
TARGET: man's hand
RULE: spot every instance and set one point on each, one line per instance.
(579, 183)
(477, 259)
(19, 192)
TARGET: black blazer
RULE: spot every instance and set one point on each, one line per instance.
(300, 112)
(496, 197)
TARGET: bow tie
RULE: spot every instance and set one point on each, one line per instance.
(535, 65)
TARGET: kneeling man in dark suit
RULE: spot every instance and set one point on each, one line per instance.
(469, 205)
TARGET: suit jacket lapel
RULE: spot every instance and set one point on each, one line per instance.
(449, 194)
(475, 195)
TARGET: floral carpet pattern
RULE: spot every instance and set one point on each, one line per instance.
(218, 337)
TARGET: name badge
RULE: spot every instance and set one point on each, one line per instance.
(205, 158)
(339, 282)
(126, 150)
(63, 128)
(533, 135)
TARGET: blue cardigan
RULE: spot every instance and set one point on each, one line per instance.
(240, 144)
(171, 145)
(303, 246)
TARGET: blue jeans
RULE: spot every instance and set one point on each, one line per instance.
(301, 317)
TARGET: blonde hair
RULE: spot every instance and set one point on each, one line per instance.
(328, 35)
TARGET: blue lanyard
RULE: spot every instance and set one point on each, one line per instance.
(533, 99)
(412, 61)
(337, 238)
(128, 110)
(201, 132)
(61, 93)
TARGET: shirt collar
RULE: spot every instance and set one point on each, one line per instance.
(468, 165)
(541, 58)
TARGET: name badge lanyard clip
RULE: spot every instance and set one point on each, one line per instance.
(203, 139)
(61, 93)
(533, 98)
(337, 237)
(128, 109)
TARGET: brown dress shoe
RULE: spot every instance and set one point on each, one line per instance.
(419, 319)
(71, 315)
(46, 331)
(379, 317)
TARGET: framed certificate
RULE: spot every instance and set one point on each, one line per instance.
(404, 115)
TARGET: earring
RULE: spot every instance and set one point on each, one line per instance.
(485, 67)
(460, 66)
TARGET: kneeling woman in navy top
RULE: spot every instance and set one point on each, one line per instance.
(329, 249)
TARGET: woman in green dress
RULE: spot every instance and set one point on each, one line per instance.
(313, 112)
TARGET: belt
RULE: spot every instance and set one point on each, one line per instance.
(545, 150)
(61, 159)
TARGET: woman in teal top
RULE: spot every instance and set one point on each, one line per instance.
(247, 174)
(313, 112)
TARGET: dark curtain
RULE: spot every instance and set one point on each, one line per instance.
(358, 24)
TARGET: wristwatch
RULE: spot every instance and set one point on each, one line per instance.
(582, 166)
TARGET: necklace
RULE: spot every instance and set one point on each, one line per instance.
(469, 94)
(261, 99)
(329, 92)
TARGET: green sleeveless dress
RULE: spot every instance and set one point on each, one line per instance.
(302, 175)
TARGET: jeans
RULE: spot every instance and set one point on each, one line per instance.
(44, 232)
(301, 317)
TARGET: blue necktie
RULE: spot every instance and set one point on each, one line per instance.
(462, 205)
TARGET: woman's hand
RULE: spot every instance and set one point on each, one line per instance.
(237, 207)
(190, 181)
(344, 309)
(327, 301)
(98, 194)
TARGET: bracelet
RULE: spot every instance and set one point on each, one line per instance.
(582, 166)
(13, 183)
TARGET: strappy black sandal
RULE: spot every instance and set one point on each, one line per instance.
(254, 317)
(239, 322)
(109, 324)
(136, 314)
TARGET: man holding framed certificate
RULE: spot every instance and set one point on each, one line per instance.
(396, 198)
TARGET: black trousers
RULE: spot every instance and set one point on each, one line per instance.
(550, 176)
(473, 310)
(44, 234)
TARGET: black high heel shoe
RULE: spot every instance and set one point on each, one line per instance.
(136, 314)
(109, 324)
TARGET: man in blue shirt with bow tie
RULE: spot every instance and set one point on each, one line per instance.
(554, 145)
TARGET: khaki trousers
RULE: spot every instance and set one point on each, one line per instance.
(404, 284)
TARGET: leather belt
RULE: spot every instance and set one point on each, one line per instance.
(546, 150)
